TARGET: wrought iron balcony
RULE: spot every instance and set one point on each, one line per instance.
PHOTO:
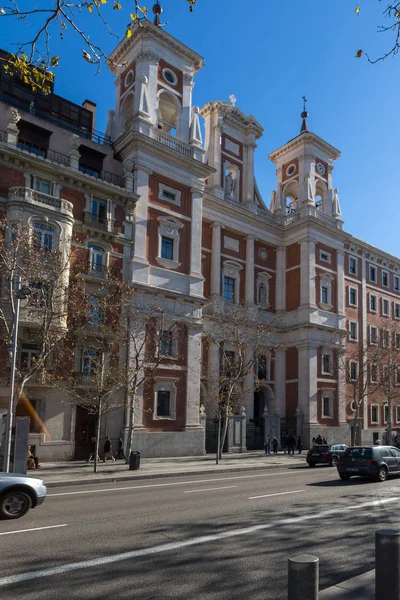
(99, 222)
(38, 198)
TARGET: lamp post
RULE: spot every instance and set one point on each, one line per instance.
(21, 293)
(389, 394)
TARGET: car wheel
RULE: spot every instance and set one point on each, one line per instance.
(334, 461)
(382, 474)
(14, 504)
(344, 476)
(311, 464)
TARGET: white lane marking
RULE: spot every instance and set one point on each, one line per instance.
(33, 529)
(154, 485)
(96, 562)
(226, 487)
(279, 494)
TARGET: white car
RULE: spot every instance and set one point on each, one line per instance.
(19, 493)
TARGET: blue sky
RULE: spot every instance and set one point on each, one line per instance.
(269, 54)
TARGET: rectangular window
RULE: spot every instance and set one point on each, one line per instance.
(43, 237)
(398, 414)
(99, 211)
(397, 340)
(385, 278)
(229, 289)
(89, 362)
(94, 311)
(396, 310)
(27, 358)
(372, 302)
(396, 283)
(385, 338)
(353, 371)
(385, 372)
(326, 363)
(32, 148)
(353, 333)
(325, 256)
(398, 376)
(324, 295)
(385, 307)
(374, 373)
(326, 406)
(42, 186)
(264, 367)
(163, 403)
(166, 343)
(374, 414)
(372, 274)
(353, 296)
(352, 265)
(167, 248)
(229, 362)
(385, 413)
(373, 335)
(168, 195)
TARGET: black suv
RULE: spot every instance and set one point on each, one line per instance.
(377, 462)
(325, 455)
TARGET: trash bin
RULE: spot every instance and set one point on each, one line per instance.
(134, 461)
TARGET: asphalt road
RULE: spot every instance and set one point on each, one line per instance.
(216, 537)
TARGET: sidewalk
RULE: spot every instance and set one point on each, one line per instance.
(357, 588)
(81, 472)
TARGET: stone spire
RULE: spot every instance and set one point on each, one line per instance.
(304, 116)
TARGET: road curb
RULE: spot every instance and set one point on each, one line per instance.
(111, 479)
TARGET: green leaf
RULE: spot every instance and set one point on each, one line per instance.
(128, 33)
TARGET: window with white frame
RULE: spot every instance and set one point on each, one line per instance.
(385, 338)
(372, 274)
(385, 307)
(385, 278)
(353, 370)
(326, 363)
(373, 334)
(165, 398)
(168, 242)
(396, 310)
(42, 186)
(231, 281)
(385, 374)
(353, 331)
(396, 283)
(373, 302)
(95, 316)
(385, 413)
(168, 343)
(264, 367)
(43, 236)
(373, 374)
(326, 290)
(353, 265)
(97, 259)
(90, 362)
(325, 256)
(263, 289)
(169, 194)
(397, 414)
(374, 413)
(28, 356)
(327, 404)
(353, 296)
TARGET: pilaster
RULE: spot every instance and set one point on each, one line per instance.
(215, 283)
(307, 273)
(280, 290)
(249, 281)
(193, 378)
(280, 381)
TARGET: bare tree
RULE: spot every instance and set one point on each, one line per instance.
(239, 338)
(391, 14)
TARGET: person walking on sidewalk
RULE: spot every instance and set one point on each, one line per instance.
(299, 444)
(108, 450)
(93, 450)
(120, 450)
(267, 445)
(275, 445)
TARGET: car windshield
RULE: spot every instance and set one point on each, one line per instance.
(359, 453)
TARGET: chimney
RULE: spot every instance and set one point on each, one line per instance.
(89, 105)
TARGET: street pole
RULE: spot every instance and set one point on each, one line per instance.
(389, 421)
(10, 414)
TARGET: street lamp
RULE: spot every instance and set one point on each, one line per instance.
(21, 293)
(389, 420)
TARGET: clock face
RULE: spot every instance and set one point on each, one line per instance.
(320, 168)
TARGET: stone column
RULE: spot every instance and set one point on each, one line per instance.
(340, 283)
(249, 282)
(193, 377)
(280, 381)
(215, 284)
(74, 154)
(140, 263)
(280, 291)
(248, 175)
(308, 388)
(128, 174)
(307, 273)
(196, 286)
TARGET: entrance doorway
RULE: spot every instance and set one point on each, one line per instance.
(85, 430)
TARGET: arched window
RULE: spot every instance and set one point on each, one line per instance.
(320, 196)
(168, 114)
(126, 112)
(291, 205)
(43, 236)
(291, 193)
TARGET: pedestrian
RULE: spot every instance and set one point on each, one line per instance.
(33, 461)
(108, 450)
(299, 444)
(319, 439)
(324, 441)
(93, 450)
(275, 445)
(313, 441)
(377, 442)
(286, 443)
(120, 450)
(292, 443)
(267, 445)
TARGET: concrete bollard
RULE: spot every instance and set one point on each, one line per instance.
(303, 577)
(387, 564)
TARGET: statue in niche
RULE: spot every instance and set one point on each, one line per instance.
(309, 186)
(262, 294)
(229, 184)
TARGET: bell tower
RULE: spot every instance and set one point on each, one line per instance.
(304, 168)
